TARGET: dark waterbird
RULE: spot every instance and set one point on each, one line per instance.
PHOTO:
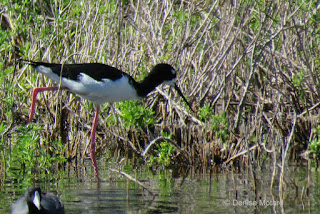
(102, 83)
(36, 202)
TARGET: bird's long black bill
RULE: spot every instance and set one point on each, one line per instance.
(180, 93)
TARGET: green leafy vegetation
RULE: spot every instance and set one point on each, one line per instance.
(220, 126)
(314, 146)
(28, 151)
(218, 123)
(216, 50)
(164, 152)
(205, 113)
(134, 114)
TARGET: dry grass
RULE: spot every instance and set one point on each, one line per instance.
(255, 61)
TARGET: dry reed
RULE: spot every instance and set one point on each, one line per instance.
(255, 61)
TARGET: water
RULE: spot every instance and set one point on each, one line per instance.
(174, 191)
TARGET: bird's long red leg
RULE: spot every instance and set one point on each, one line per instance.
(34, 96)
(93, 143)
(94, 126)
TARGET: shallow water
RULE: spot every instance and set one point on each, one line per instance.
(175, 191)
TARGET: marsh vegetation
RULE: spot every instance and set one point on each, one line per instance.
(250, 70)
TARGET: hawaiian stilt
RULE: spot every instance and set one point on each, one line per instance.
(101, 83)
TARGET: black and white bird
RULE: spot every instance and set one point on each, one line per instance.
(36, 202)
(102, 83)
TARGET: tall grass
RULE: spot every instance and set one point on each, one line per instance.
(249, 68)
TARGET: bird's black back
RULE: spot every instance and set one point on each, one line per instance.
(96, 71)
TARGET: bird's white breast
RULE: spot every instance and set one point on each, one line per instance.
(106, 90)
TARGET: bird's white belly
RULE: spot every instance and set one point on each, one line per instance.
(100, 92)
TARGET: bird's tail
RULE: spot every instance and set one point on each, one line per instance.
(36, 64)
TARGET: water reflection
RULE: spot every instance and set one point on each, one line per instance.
(190, 191)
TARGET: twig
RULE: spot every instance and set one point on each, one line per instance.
(134, 180)
(240, 154)
(180, 108)
(160, 139)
